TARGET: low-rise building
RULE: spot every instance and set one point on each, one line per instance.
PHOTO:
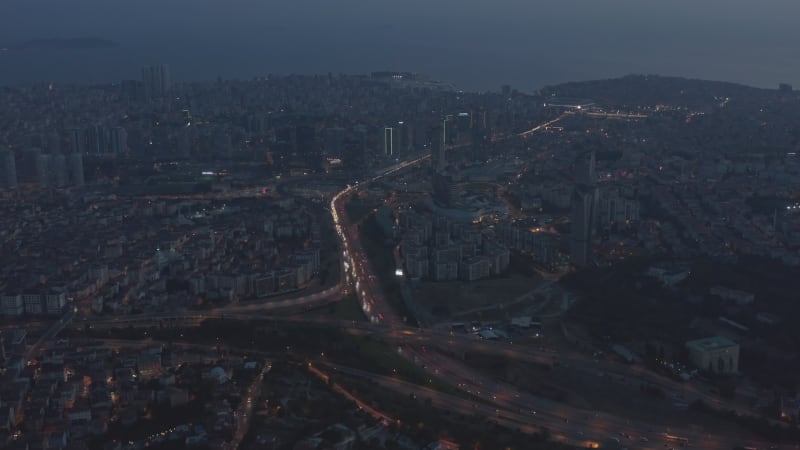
(474, 268)
(12, 305)
(717, 354)
(737, 296)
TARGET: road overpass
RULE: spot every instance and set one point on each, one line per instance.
(570, 424)
(456, 344)
(385, 323)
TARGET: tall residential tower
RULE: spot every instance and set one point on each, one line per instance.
(156, 81)
(8, 176)
(584, 209)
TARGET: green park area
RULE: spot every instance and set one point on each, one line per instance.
(381, 257)
(494, 297)
(622, 303)
(358, 209)
(347, 309)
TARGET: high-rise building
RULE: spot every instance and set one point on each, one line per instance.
(118, 141)
(27, 167)
(614, 207)
(448, 128)
(583, 201)
(76, 142)
(388, 141)
(397, 139)
(443, 184)
(58, 170)
(438, 158)
(585, 169)
(9, 172)
(156, 81)
(458, 129)
(94, 140)
(584, 209)
(308, 148)
(479, 119)
(53, 143)
(43, 176)
(404, 138)
(76, 169)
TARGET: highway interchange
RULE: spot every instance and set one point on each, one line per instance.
(501, 402)
(570, 425)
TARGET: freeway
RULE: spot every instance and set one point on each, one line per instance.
(570, 424)
(375, 307)
(183, 320)
(442, 400)
(356, 265)
(618, 115)
(566, 423)
(239, 311)
(542, 126)
(516, 409)
(573, 424)
(454, 343)
(245, 411)
(309, 300)
(604, 371)
(342, 391)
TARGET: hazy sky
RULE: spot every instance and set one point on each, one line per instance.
(476, 44)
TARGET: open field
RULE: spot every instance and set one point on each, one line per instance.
(444, 299)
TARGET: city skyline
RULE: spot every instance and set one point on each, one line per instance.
(364, 226)
(630, 229)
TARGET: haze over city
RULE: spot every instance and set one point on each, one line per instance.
(473, 44)
(419, 225)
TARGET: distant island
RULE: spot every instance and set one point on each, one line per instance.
(63, 44)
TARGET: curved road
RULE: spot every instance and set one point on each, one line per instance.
(632, 433)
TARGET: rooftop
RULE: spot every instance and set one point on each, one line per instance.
(711, 343)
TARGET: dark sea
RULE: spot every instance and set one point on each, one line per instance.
(477, 45)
